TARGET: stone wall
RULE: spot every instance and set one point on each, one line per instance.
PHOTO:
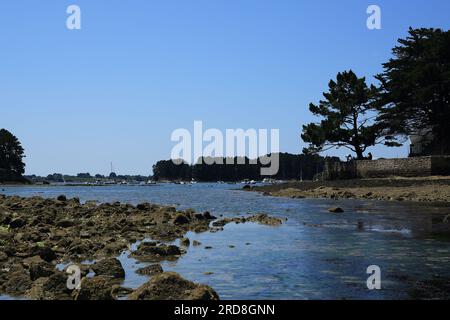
(382, 168)
(337, 170)
(407, 167)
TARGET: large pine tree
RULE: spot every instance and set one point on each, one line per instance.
(11, 153)
(415, 83)
(348, 113)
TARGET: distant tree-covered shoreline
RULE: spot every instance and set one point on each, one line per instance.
(291, 167)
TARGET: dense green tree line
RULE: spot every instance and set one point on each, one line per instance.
(290, 167)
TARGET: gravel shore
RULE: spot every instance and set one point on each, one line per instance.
(429, 189)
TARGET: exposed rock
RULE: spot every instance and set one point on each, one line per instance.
(85, 235)
(50, 288)
(46, 254)
(171, 286)
(144, 206)
(181, 219)
(17, 283)
(207, 215)
(196, 243)
(258, 218)
(66, 223)
(17, 223)
(336, 210)
(40, 269)
(110, 267)
(62, 198)
(185, 242)
(36, 233)
(151, 251)
(3, 256)
(150, 270)
(265, 219)
(120, 292)
(96, 288)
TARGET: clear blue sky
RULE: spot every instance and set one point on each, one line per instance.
(115, 90)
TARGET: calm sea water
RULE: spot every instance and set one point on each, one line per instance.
(314, 255)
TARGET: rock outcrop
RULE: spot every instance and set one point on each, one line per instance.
(171, 286)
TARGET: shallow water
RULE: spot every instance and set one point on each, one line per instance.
(314, 255)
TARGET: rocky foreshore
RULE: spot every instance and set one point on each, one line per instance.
(37, 234)
(431, 189)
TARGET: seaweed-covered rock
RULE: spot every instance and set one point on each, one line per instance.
(110, 267)
(17, 283)
(61, 198)
(196, 243)
(151, 251)
(36, 233)
(120, 292)
(261, 218)
(65, 223)
(181, 219)
(53, 287)
(3, 256)
(185, 242)
(96, 288)
(265, 219)
(144, 206)
(150, 270)
(171, 286)
(46, 253)
(39, 268)
(17, 223)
